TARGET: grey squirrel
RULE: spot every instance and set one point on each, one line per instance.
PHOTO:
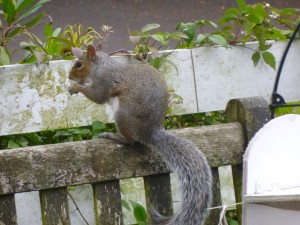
(139, 98)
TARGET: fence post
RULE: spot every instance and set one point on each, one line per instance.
(252, 113)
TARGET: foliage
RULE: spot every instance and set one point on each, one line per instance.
(231, 217)
(56, 136)
(77, 38)
(259, 22)
(138, 210)
(280, 111)
(192, 120)
(17, 19)
(147, 44)
(97, 127)
(59, 45)
(38, 50)
(194, 40)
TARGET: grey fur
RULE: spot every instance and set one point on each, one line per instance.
(143, 101)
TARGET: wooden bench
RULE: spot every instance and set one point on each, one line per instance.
(50, 169)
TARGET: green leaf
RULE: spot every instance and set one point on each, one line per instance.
(155, 62)
(255, 58)
(98, 125)
(34, 139)
(278, 34)
(188, 29)
(269, 59)
(159, 37)
(12, 144)
(14, 32)
(241, 4)
(62, 133)
(259, 10)
(4, 57)
(252, 18)
(22, 141)
(288, 110)
(35, 20)
(32, 10)
(48, 29)
(263, 46)
(201, 37)
(56, 32)
(287, 11)
(149, 27)
(178, 35)
(139, 213)
(23, 4)
(230, 14)
(9, 10)
(206, 22)
(125, 205)
(218, 39)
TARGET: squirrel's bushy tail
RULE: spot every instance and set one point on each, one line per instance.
(194, 175)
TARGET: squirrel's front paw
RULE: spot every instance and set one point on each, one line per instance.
(107, 135)
(72, 90)
(116, 138)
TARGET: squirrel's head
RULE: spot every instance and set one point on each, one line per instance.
(81, 69)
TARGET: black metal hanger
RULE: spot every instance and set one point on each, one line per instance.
(277, 99)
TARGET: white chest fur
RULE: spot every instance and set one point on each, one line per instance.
(114, 104)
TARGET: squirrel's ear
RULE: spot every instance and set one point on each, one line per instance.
(77, 52)
(99, 47)
(91, 52)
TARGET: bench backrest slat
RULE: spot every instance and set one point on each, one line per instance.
(60, 165)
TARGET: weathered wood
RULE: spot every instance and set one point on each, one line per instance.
(252, 113)
(59, 165)
(8, 214)
(107, 198)
(237, 176)
(158, 194)
(54, 204)
(213, 216)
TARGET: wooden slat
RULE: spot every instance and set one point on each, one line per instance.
(59, 165)
(213, 216)
(237, 175)
(159, 194)
(8, 214)
(107, 197)
(54, 204)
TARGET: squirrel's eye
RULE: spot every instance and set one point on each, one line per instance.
(78, 65)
